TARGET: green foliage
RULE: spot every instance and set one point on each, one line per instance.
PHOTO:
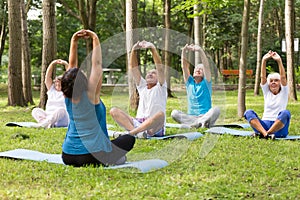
(236, 168)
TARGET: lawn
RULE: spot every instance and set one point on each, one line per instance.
(211, 167)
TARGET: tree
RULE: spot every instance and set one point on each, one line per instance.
(167, 54)
(15, 93)
(26, 67)
(3, 26)
(289, 38)
(86, 13)
(259, 45)
(243, 60)
(49, 44)
(131, 24)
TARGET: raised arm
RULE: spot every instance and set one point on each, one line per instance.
(205, 62)
(263, 73)
(50, 69)
(133, 63)
(73, 57)
(185, 65)
(282, 73)
(157, 60)
(95, 79)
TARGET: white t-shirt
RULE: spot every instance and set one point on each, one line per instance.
(151, 100)
(274, 103)
(55, 100)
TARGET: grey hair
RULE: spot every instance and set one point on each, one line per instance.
(273, 76)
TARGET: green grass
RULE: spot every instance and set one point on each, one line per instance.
(212, 167)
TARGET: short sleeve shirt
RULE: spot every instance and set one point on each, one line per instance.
(273, 104)
(199, 96)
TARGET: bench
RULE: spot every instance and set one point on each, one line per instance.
(234, 74)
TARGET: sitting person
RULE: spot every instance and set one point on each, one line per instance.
(199, 90)
(86, 141)
(276, 119)
(55, 114)
(150, 118)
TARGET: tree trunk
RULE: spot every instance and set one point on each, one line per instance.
(3, 28)
(167, 54)
(15, 94)
(131, 38)
(289, 38)
(196, 33)
(49, 44)
(87, 15)
(243, 60)
(259, 45)
(26, 67)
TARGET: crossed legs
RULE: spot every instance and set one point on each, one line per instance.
(279, 127)
(151, 125)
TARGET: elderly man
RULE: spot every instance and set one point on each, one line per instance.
(150, 118)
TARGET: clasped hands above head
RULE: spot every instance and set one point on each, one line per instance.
(272, 54)
(85, 34)
(192, 47)
(143, 45)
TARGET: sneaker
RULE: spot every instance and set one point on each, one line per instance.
(270, 136)
(205, 125)
(118, 134)
(121, 161)
(142, 135)
(196, 125)
(44, 124)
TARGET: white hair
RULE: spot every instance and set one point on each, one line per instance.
(273, 76)
(199, 66)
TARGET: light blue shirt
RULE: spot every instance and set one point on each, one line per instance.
(199, 96)
(87, 130)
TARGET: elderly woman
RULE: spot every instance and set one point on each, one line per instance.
(55, 114)
(276, 119)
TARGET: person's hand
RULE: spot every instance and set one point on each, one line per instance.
(192, 47)
(90, 34)
(145, 45)
(62, 62)
(268, 55)
(275, 56)
(136, 46)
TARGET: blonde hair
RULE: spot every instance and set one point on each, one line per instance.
(273, 76)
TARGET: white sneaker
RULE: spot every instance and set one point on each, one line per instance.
(44, 124)
(117, 134)
(142, 135)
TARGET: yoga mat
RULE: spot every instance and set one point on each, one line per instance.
(189, 136)
(22, 124)
(232, 125)
(25, 154)
(172, 125)
(34, 125)
(223, 130)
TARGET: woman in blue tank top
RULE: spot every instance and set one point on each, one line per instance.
(87, 141)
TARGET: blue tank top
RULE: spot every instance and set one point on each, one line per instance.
(87, 130)
(199, 96)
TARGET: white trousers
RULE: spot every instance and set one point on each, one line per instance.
(208, 119)
(59, 118)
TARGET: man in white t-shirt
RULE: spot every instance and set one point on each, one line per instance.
(55, 114)
(151, 114)
(276, 119)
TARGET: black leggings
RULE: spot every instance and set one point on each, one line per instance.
(120, 146)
